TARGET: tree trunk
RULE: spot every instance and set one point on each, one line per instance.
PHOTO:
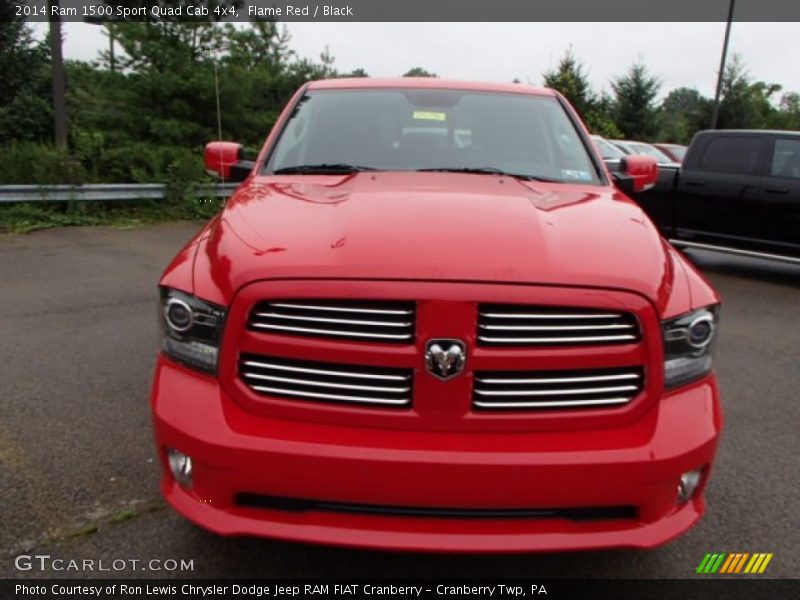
(59, 78)
(112, 61)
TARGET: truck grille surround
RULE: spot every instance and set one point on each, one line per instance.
(522, 359)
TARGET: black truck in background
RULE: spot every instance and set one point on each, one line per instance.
(737, 191)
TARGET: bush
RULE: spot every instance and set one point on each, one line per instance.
(94, 162)
(24, 217)
(30, 163)
(180, 169)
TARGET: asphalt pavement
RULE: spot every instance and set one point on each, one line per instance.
(78, 478)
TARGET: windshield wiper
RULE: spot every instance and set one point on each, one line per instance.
(322, 169)
(490, 171)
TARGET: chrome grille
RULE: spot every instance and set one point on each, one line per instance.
(520, 325)
(368, 321)
(326, 382)
(496, 390)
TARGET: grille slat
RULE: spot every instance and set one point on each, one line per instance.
(583, 379)
(593, 339)
(556, 327)
(341, 308)
(340, 386)
(579, 315)
(329, 320)
(555, 389)
(552, 403)
(372, 321)
(337, 373)
(519, 325)
(327, 381)
(334, 332)
(567, 392)
(337, 397)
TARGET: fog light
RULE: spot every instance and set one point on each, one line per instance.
(688, 485)
(181, 466)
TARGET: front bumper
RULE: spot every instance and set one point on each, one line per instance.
(236, 452)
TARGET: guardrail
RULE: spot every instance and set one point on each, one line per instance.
(103, 192)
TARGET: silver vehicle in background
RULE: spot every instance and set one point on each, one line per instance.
(642, 148)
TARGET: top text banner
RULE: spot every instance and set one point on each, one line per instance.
(409, 10)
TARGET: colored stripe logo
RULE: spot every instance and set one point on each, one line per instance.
(734, 562)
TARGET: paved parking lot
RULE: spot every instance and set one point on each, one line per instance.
(78, 336)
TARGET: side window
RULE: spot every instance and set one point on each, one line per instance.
(733, 155)
(786, 159)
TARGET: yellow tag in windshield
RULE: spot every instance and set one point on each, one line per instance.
(424, 115)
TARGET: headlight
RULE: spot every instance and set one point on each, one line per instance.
(687, 346)
(192, 329)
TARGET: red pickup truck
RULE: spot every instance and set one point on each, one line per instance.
(430, 319)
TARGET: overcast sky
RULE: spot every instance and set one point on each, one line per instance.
(680, 54)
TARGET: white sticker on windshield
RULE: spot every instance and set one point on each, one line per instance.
(576, 175)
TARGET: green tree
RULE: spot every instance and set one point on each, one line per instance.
(571, 79)
(261, 46)
(600, 117)
(790, 103)
(418, 72)
(327, 61)
(167, 42)
(745, 103)
(788, 116)
(256, 79)
(634, 103)
(170, 69)
(148, 118)
(163, 46)
(682, 113)
(25, 95)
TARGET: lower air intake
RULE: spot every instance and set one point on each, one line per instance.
(580, 513)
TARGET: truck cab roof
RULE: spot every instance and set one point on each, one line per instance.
(427, 83)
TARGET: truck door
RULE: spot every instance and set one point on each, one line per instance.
(780, 199)
(719, 189)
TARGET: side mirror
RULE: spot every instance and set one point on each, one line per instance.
(636, 174)
(225, 160)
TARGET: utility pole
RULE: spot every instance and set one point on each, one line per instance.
(59, 77)
(219, 108)
(721, 73)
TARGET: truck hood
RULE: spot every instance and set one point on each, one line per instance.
(433, 226)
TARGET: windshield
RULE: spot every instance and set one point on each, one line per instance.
(652, 151)
(678, 151)
(623, 146)
(607, 150)
(432, 129)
